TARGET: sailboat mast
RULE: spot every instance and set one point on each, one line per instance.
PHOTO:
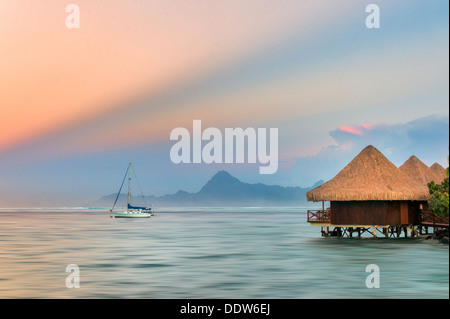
(129, 183)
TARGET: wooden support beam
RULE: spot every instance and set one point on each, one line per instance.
(410, 231)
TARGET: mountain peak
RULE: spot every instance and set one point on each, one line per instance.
(223, 175)
(220, 181)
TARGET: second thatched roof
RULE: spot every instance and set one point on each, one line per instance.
(438, 169)
(369, 176)
(418, 171)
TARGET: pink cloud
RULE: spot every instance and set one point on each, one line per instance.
(368, 126)
(356, 129)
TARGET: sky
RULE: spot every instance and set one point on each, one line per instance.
(78, 104)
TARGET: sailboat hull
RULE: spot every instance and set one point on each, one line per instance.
(131, 215)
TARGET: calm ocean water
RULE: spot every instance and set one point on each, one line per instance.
(207, 253)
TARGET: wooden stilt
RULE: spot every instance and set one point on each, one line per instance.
(409, 231)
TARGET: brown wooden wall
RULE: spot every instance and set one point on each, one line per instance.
(375, 212)
(414, 209)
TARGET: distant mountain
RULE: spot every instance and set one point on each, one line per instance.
(223, 190)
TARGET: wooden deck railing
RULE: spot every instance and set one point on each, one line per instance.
(428, 218)
(319, 216)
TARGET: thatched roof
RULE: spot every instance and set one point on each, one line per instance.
(438, 169)
(418, 171)
(369, 176)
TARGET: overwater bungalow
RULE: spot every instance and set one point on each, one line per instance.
(370, 193)
(421, 173)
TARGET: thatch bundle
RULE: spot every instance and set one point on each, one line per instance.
(438, 169)
(418, 171)
(369, 176)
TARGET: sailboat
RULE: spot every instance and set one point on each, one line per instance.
(131, 211)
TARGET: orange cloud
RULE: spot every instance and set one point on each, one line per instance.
(52, 77)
